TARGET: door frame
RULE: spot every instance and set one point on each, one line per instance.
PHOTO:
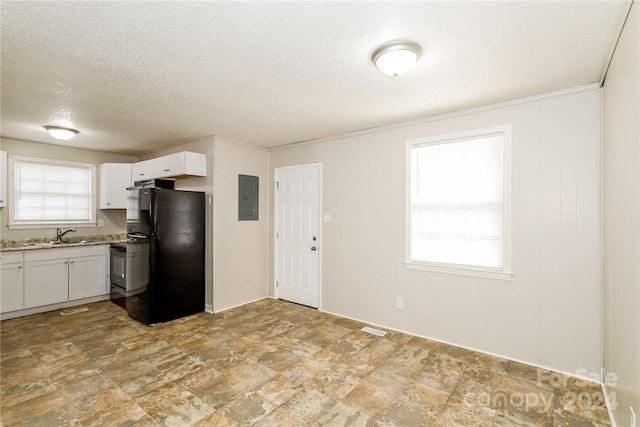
(276, 218)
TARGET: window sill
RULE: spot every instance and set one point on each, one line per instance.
(52, 225)
(461, 271)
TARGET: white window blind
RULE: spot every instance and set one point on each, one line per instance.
(457, 203)
(49, 192)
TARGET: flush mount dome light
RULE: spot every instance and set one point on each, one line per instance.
(395, 58)
(63, 134)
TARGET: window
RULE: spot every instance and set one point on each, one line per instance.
(46, 193)
(459, 207)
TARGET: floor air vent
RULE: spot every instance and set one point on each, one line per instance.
(376, 332)
(73, 311)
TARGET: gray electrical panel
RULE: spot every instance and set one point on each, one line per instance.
(248, 187)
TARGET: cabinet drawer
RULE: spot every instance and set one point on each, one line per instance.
(11, 257)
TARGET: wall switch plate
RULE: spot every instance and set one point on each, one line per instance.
(327, 218)
(101, 223)
(399, 303)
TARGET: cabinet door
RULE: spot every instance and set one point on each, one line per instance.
(142, 170)
(46, 282)
(11, 287)
(114, 180)
(87, 277)
(171, 165)
(3, 179)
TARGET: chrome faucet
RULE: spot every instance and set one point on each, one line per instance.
(60, 234)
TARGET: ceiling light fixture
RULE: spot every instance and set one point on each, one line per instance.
(63, 134)
(395, 58)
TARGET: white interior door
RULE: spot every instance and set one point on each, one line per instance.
(298, 242)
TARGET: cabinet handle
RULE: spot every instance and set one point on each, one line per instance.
(19, 267)
(66, 262)
(141, 174)
(71, 262)
(167, 170)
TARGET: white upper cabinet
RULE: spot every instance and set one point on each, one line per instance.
(171, 166)
(183, 163)
(3, 179)
(142, 170)
(114, 180)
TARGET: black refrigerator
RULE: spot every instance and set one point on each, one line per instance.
(170, 226)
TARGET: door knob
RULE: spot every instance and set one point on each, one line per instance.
(313, 248)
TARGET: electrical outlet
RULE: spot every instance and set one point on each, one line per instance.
(101, 222)
(399, 303)
(633, 417)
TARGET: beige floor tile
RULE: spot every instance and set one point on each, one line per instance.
(247, 409)
(281, 417)
(174, 405)
(343, 415)
(216, 419)
(309, 405)
(376, 392)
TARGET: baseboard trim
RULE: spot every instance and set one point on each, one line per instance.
(240, 305)
(546, 368)
(208, 308)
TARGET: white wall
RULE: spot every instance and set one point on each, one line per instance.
(240, 248)
(114, 219)
(549, 314)
(622, 219)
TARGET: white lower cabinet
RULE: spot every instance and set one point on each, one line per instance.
(50, 276)
(11, 282)
(86, 277)
(46, 282)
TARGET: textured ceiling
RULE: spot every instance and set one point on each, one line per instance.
(136, 77)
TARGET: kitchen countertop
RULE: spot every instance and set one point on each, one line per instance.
(45, 242)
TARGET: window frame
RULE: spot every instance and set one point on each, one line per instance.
(458, 269)
(11, 221)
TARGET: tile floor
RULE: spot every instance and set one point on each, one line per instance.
(268, 363)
